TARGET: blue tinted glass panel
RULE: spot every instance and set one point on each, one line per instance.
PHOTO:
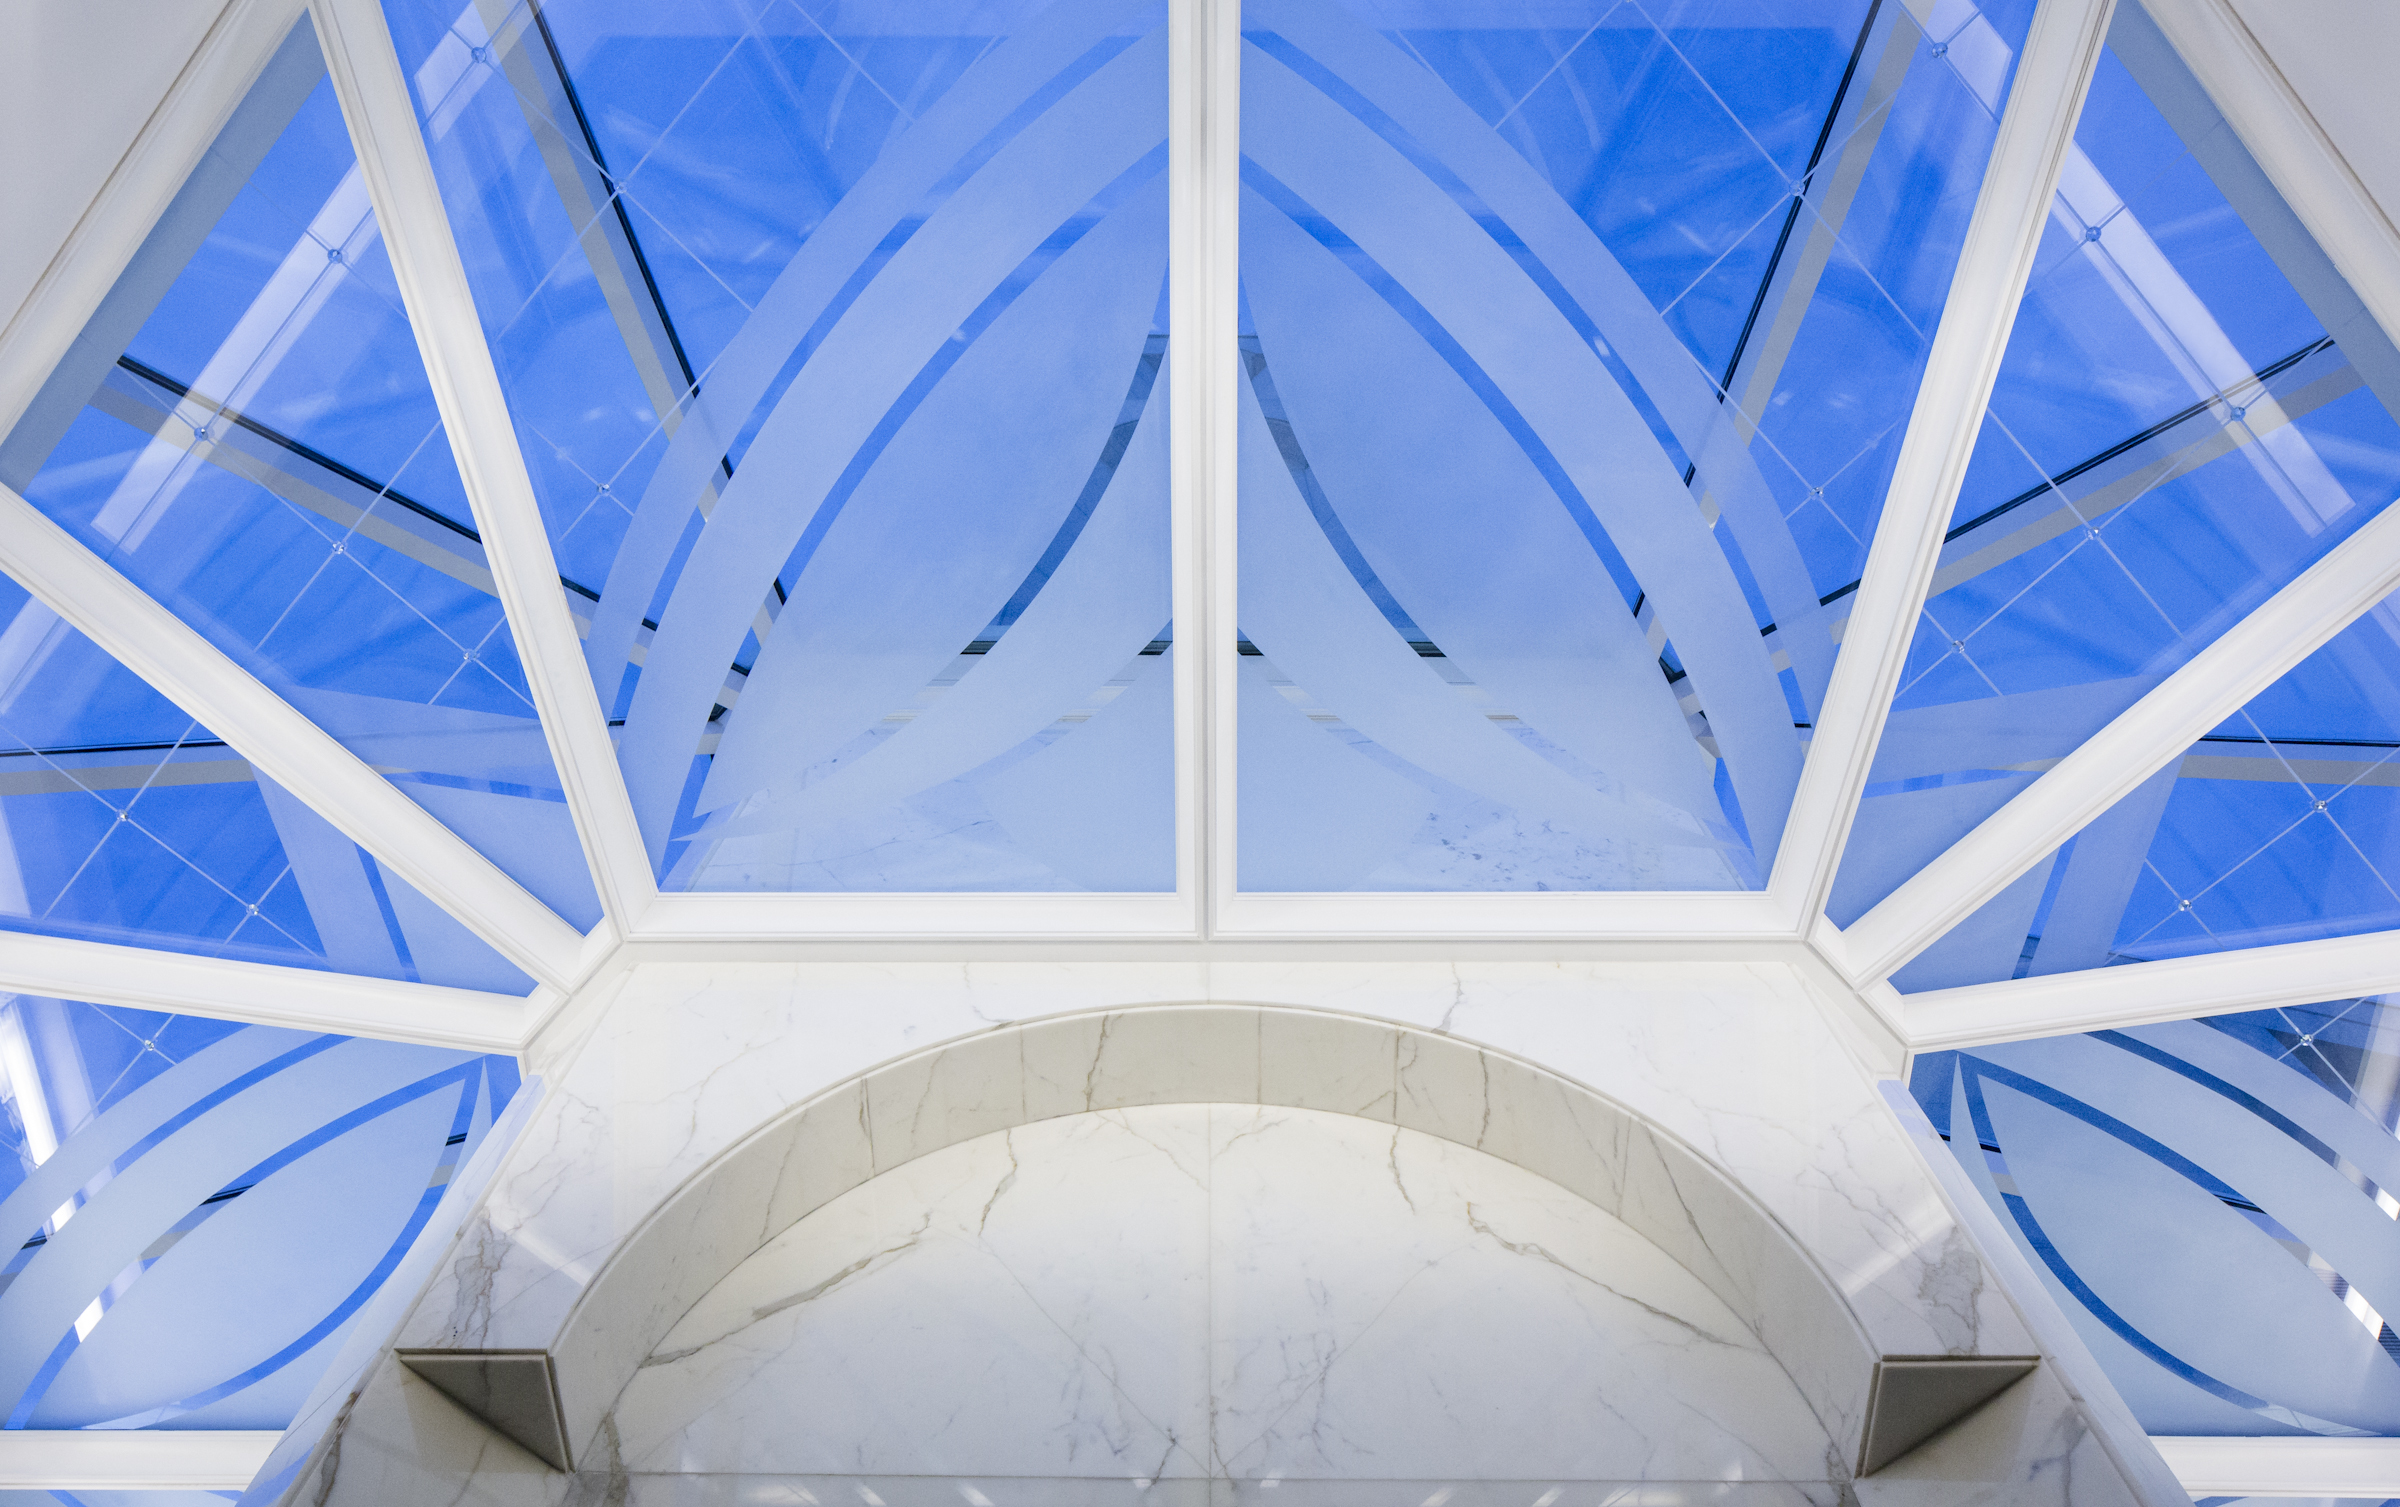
(2193, 409)
(1579, 340)
(196, 1212)
(2211, 1203)
(256, 446)
(122, 820)
(835, 339)
(2281, 825)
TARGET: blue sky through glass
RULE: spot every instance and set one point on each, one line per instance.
(2194, 408)
(834, 337)
(1555, 610)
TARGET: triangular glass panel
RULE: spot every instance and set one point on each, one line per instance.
(2193, 409)
(2281, 825)
(834, 335)
(2201, 1198)
(245, 430)
(123, 820)
(1579, 344)
(197, 1212)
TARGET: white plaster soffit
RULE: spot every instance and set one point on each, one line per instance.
(176, 661)
(392, 158)
(167, 150)
(2037, 131)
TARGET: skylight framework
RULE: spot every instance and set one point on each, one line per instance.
(1205, 375)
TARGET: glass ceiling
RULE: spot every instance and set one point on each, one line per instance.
(198, 1210)
(2209, 1201)
(2194, 408)
(1576, 342)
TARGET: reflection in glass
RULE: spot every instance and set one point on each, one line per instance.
(2211, 1203)
(122, 820)
(2194, 408)
(244, 429)
(834, 335)
(1579, 343)
(197, 1212)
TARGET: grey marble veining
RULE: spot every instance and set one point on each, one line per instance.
(1194, 1291)
(703, 1110)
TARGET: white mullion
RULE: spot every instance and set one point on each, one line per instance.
(2291, 1466)
(132, 1459)
(392, 158)
(1204, 146)
(2148, 736)
(2037, 129)
(143, 978)
(143, 636)
(2136, 994)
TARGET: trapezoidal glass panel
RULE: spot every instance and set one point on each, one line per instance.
(1579, 340)
(2193, 409)
(835, 334)
(123, 820)
(2281, 824)
(244, 430)
(196, 1212)
(2210, 1202)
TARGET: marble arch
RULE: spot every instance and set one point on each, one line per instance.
(1220, 1053)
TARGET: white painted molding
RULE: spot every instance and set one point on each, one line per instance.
(1204, 54)
(2037, 129)
(904, 918)
(141, 978)
(2285, 1467)
(152, 171)
(2148, 736)
(2140, 994)
(1729, 916)
(131, 1459)
(2299, 158)
(466, 389)
(279, 742)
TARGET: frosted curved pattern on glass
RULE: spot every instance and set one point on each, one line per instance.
(196, 1212)
(123, 820)
(2193, 410)
(1579, 340)
(245, 430)
(2212, 1203)
(835, 337)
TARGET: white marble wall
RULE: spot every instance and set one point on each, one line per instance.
(1780, 1178)
(1188, 1291)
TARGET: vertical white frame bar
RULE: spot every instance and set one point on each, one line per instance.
(1204, 159)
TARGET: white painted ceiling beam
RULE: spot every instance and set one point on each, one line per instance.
(375, 100)
(2232, 1466)
(136, 192)
(2148, 736)
(280, 743)
(2037, 130)
(2140, 994)
(142, 978)
(131, 1459)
